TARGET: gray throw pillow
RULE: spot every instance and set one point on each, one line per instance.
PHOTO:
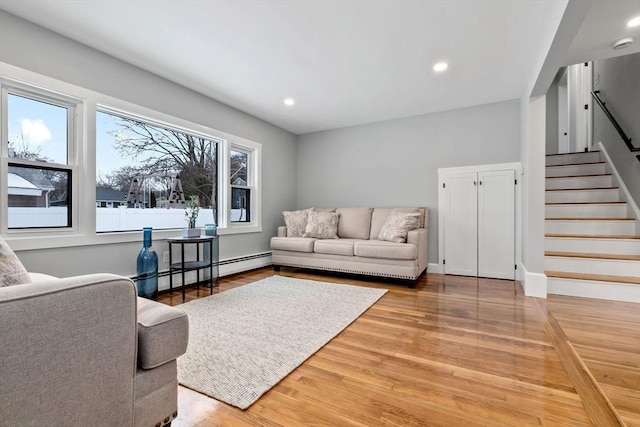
(12, 272)
(296, 222)
(322, 225)
(397, 225)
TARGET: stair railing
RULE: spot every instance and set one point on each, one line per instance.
(614, 122)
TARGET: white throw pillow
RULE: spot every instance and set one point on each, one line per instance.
(296, 222)
(322, 225)
(12, 272)
(397, 225)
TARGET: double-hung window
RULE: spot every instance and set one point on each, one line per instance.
(37, 167)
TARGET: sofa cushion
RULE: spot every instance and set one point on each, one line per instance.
(163, 333)
(388, 250)
(355, 223)
(322, 225)
(296, 222)
(335, 246)
(297, 244)
(12, 272)
(379, 216)
(397, 225)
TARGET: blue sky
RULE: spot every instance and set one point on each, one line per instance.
(44, 126)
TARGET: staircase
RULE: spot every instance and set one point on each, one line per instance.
(592, 247)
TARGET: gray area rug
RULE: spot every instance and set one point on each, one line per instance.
(245, 340)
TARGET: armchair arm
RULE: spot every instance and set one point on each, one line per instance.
(68, 351)
(420, 238)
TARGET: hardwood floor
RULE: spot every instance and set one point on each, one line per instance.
(454, 351)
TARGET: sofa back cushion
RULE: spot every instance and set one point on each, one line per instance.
(379, 217)
(355, 223)
(12, 272)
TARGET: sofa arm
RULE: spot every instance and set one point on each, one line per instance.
(282, 231)
(68, 351)
(420, 238)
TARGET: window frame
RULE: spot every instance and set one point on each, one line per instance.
(82, 163)
(74, 108)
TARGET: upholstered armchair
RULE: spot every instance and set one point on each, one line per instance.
(86, 351)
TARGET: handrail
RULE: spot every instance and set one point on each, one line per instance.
(614, 122)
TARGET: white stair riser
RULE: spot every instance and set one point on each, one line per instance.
(617, 228)
(612, 267)
(572, 170)
(597, 246)
(586, 211)
(579, 182)
(594, 289)
(567, 159)
(607, 195)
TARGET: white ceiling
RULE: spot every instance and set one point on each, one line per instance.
(345, 62)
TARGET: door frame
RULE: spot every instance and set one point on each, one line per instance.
(444, 173)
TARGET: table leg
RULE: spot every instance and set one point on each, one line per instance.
(182, 265)
(170, 268)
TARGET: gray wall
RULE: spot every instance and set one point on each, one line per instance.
(618, 80)
(33, 48)
(395, 163)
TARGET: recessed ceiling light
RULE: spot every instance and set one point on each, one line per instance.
(622, 43)
(289, 102)
(440, 67)
(635, 22)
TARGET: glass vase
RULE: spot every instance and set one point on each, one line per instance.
(147, 280)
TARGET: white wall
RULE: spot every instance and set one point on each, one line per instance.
(36, 49)
(395, 162)
(618, 79)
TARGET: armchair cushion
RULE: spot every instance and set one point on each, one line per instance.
(163, 333)
(12, 272)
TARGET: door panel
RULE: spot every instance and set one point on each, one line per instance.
(496, 224)
(461, 225)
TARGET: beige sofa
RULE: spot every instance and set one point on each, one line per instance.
(357, 249)
(86, 351)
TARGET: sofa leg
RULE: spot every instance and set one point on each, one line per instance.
(276, 268)
(411, 284)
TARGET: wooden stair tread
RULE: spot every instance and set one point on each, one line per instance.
(577, 164)
(568, 154)
(582, 189)
(620, 257)
(585, 203)
(578, 176)
(591, 219)
(593, 236)
(594, 277)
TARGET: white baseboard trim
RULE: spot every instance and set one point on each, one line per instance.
(534, 284)
(435, 268)
(245, 265)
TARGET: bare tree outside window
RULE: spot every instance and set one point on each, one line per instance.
(154, 157)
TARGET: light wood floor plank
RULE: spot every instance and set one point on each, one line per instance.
(454, 351)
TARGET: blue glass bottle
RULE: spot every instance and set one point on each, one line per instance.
(147, 280)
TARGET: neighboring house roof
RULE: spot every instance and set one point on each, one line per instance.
(104, 194)
(18, 186)
(239, 181)
(34, 176)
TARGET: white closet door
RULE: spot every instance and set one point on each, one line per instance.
(461, 225)
(496, 224)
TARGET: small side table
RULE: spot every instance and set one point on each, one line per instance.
(207, 262)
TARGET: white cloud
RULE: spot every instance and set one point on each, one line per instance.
(35, 131)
